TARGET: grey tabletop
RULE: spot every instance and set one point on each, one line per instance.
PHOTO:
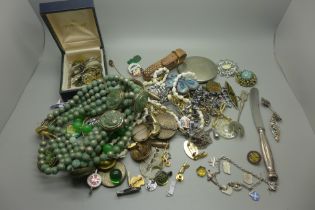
(22, 186)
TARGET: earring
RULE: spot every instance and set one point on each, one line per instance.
(275, 119)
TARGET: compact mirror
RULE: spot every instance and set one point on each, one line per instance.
(204, 68)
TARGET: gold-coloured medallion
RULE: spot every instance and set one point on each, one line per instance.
(106, 180)
(201, 171)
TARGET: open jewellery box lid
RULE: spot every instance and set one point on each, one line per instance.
(73, 24)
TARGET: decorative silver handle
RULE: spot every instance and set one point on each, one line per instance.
(267, 155)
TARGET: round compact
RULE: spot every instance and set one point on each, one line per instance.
(204, 68)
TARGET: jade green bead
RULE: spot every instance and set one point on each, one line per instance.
(67, 106)
(116, 149)
(94, 83)
(103, 157)
(99, 110)
(93, 105)
(80, 93)
(93, 143)
(47, 171)
(107, 148)
(56, 151)
(83, 164)
(63, 150)
(89, 150)
(55, 113)
(58, 129)
(43, 143)
(102, 93)
(127, 111)
(96, 89)
(96, 160)
(44, 167)
(61, 166)
(85, 156)
(54, 170)
(76, 163)
(93, 98)
(91, 92)
(40, 163)
(98, 149)
(93, 113)
(72, 155)
(84, 89)
(50, 116)
(98, 137)
(110, 154)
(40, 156)
(98, 102)
(78, 155)
(121, 144)
(87, 108)
(71, 102)
(76, 98)
(103, 134)
(69, 168)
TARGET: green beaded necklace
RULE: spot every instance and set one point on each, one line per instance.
(115, 102)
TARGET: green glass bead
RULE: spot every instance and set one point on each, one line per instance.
(107, 148)
(121, 144)
(77, 125)
(115, 176)
(86, 128)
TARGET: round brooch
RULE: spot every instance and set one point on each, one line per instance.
(246, 78)
(227, 68)
(112, 120)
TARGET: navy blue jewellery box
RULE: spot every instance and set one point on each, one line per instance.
(73, 25)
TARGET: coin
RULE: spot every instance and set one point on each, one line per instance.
(254, 157)
(168, 125)
(141, 151)
(140, 133)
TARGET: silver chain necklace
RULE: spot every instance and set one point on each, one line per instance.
(237, 186)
